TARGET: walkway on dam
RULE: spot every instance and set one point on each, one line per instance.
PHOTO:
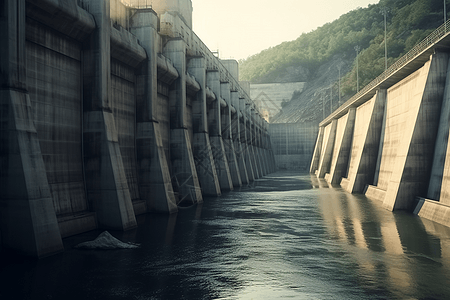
(287, 236)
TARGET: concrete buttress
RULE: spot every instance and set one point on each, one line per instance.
(184, 176)
(28, 222)
(203, 156)
(106, 182)
(227, 133)
(155, 185)
(236, 129)
(215, 133)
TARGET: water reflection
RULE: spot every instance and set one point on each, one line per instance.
(287, 236)
(397, 252)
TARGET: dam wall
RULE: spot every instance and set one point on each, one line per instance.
(110, 109)
(390, 141)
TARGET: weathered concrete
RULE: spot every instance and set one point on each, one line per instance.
(342, 147)
(227, 135)
(155, 184)
(203, 155)
(410, 134)
(97, 125)
(106, 183)
(182, 158)
(327, 149)
(215, 134)
(366, 138)
(27, 216)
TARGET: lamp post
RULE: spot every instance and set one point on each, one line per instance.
(339, 68)
(357, 49)
(445, 16)
(385, 11)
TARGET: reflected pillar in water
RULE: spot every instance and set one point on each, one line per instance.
(342, 146)
(366, 138)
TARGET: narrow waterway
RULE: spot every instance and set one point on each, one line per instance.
(288, 236)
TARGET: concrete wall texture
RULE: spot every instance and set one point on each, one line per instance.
(394, 148)
(108, 110)
(293, 144)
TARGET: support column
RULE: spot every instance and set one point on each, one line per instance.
(236, 128)
(317, 149)
(215, 133)
(28, 221)
(155, 185)
(244, 139)
(327, 149)
(365, 144)
(227, 135)
(184, 171)
(256, 158)
(342, 147)
(106, 182)
(203, 156)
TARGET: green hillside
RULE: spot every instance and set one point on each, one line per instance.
(408, 22)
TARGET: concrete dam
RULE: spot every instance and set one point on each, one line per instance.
(110, 109)
(390, 140)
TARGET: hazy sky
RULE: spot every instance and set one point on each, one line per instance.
(240, 28)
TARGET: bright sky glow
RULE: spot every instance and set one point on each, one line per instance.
(241, 28)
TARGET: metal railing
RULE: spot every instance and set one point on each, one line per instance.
(430, 40)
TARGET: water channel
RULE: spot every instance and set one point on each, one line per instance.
(288, 236)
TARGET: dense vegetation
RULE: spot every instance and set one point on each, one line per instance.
(408, 22)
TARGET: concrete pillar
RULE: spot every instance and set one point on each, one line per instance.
(342, 147)
(410, 134)
(252, 137)
(203, 156)
(366, 138)
(317, 151)
(227, 135)
(155, 185)
(28, 222)
(183, 166)
(215, 133)
(106, 182)
(326, 152)
(236, 133)
(244, 137)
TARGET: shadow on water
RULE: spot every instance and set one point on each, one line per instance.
(289, 235)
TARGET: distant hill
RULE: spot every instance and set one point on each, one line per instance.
(317, 56)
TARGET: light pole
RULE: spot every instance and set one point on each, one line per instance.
(339, 68)
(385, 11)
(357, 48)
(445, 16)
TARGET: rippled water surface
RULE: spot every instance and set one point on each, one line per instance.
(289, 236)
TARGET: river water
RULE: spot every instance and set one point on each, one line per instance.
(288, 236)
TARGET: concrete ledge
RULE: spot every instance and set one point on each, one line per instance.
(139, 207)
(125, 47)
(327, 177)
(374, 193)
(75, 224)
(344, 183)
(434, 211)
